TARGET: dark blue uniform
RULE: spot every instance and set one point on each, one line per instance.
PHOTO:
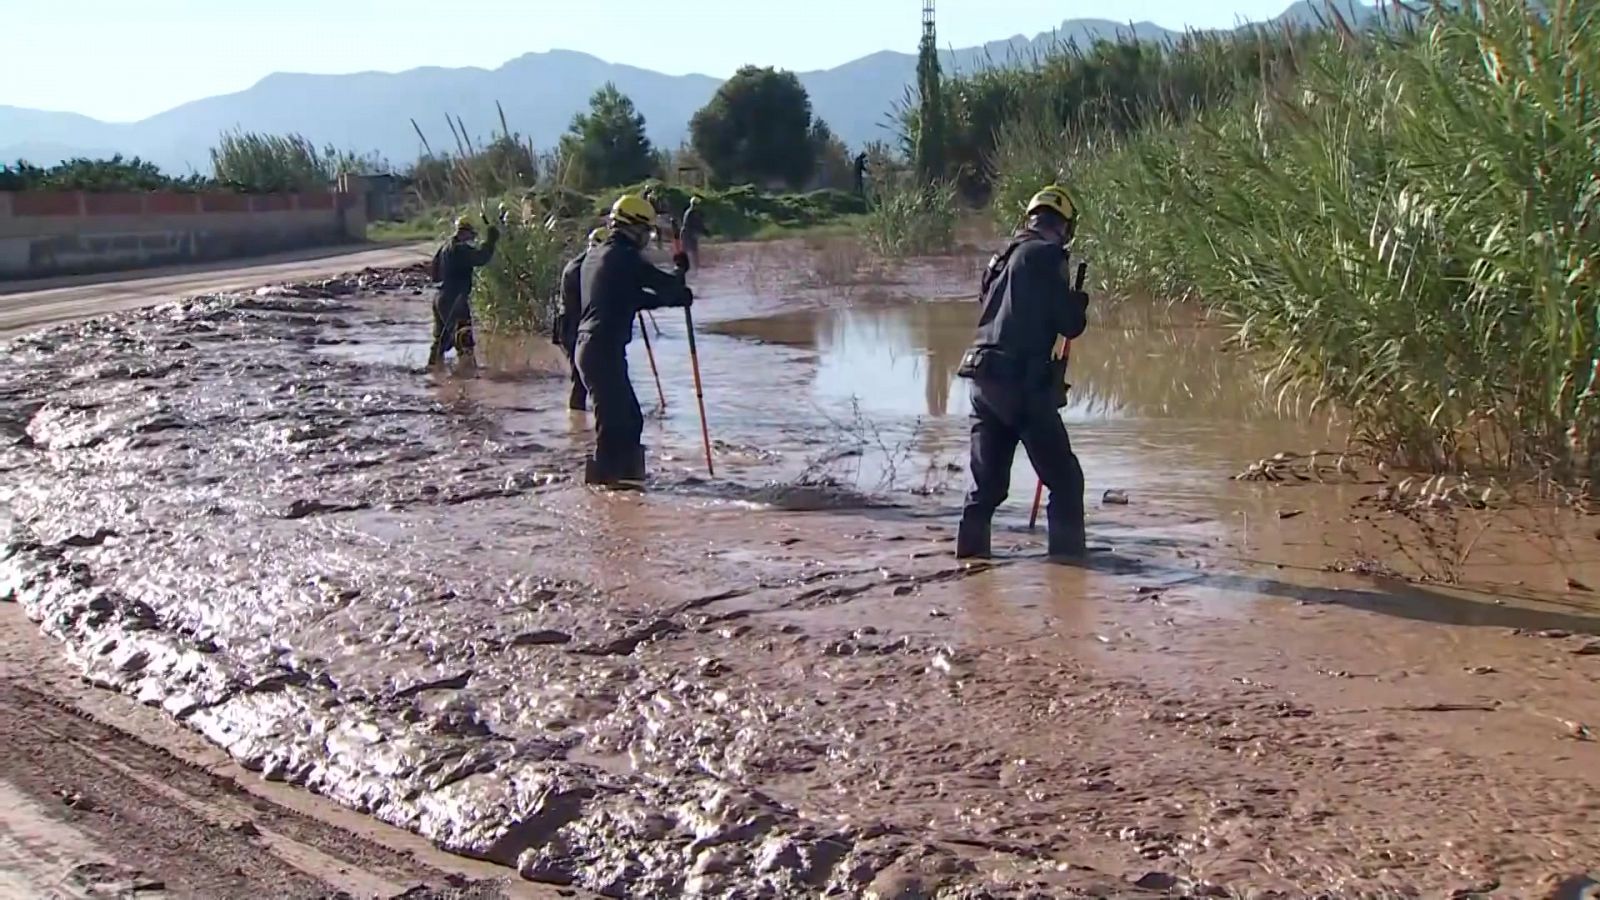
(453, 267)
(616, 283)
(566, 328)
(1017, 391)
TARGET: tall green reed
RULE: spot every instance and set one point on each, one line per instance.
(907, 219)
(1406, 222)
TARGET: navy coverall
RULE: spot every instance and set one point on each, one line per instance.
(616, 283)
(1017, 390)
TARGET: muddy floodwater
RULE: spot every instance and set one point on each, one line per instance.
(257, 513)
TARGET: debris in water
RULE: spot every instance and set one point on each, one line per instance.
(1115, 498)
(1290, 513)
(1574, 584)
(1481, 670)
(1578, 730)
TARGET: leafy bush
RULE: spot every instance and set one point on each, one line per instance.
(742, 211)
(114, 174)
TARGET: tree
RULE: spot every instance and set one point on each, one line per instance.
(608, 147)
(930, 131)
(833, 166)
(756, 129)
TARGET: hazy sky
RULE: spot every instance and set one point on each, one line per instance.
(126, 59)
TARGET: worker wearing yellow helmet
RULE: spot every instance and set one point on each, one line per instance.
(1029, 304)
(616, 282)
(452, 268)
(564, 330)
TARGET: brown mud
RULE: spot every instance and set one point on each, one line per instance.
(255, 513)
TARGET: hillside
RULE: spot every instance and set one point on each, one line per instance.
(540, 92)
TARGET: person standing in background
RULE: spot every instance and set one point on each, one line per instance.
(694, 228)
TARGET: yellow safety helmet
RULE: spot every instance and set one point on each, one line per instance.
(1056, 199)
(464, 224)
(632, 209)
(598, 236)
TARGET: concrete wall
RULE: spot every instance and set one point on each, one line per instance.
(45, 233)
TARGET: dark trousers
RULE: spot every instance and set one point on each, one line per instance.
(578, 398)
(1003, 415)
(452, 328)
(618, 421)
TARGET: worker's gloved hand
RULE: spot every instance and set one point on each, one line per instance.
(1078, 298)
(688, 298)
(680, 261)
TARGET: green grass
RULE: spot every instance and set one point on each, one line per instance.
(420, 229)
(1407, 226)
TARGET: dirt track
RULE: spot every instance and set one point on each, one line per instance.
(253, 514)
(25, 305)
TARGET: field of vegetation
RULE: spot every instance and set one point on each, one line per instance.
(1403, 217)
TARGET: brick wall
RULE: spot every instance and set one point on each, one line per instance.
(45, 233)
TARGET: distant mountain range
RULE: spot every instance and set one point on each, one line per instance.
(539, 91)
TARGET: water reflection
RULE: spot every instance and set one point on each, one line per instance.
(1141, 361)
(1159, 402)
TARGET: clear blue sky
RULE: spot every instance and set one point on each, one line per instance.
(125, 59)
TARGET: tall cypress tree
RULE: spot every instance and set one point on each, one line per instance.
(930, 120)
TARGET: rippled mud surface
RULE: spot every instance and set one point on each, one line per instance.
(256, 513)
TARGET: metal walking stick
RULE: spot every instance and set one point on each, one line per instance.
(650, 352)
(699, 394)
(1066, 354)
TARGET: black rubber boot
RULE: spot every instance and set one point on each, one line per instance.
(1067, 538)
(972, 539)
(592, 473)
(634, 476)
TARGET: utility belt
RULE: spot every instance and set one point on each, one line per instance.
(995, 365)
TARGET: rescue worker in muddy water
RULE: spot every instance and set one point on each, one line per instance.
(564, 333)
(616, 283)
(452, 268)
(1017, 368)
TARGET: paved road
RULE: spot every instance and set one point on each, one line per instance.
(28, 305)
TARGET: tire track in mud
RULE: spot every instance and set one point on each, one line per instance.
(174, 830)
